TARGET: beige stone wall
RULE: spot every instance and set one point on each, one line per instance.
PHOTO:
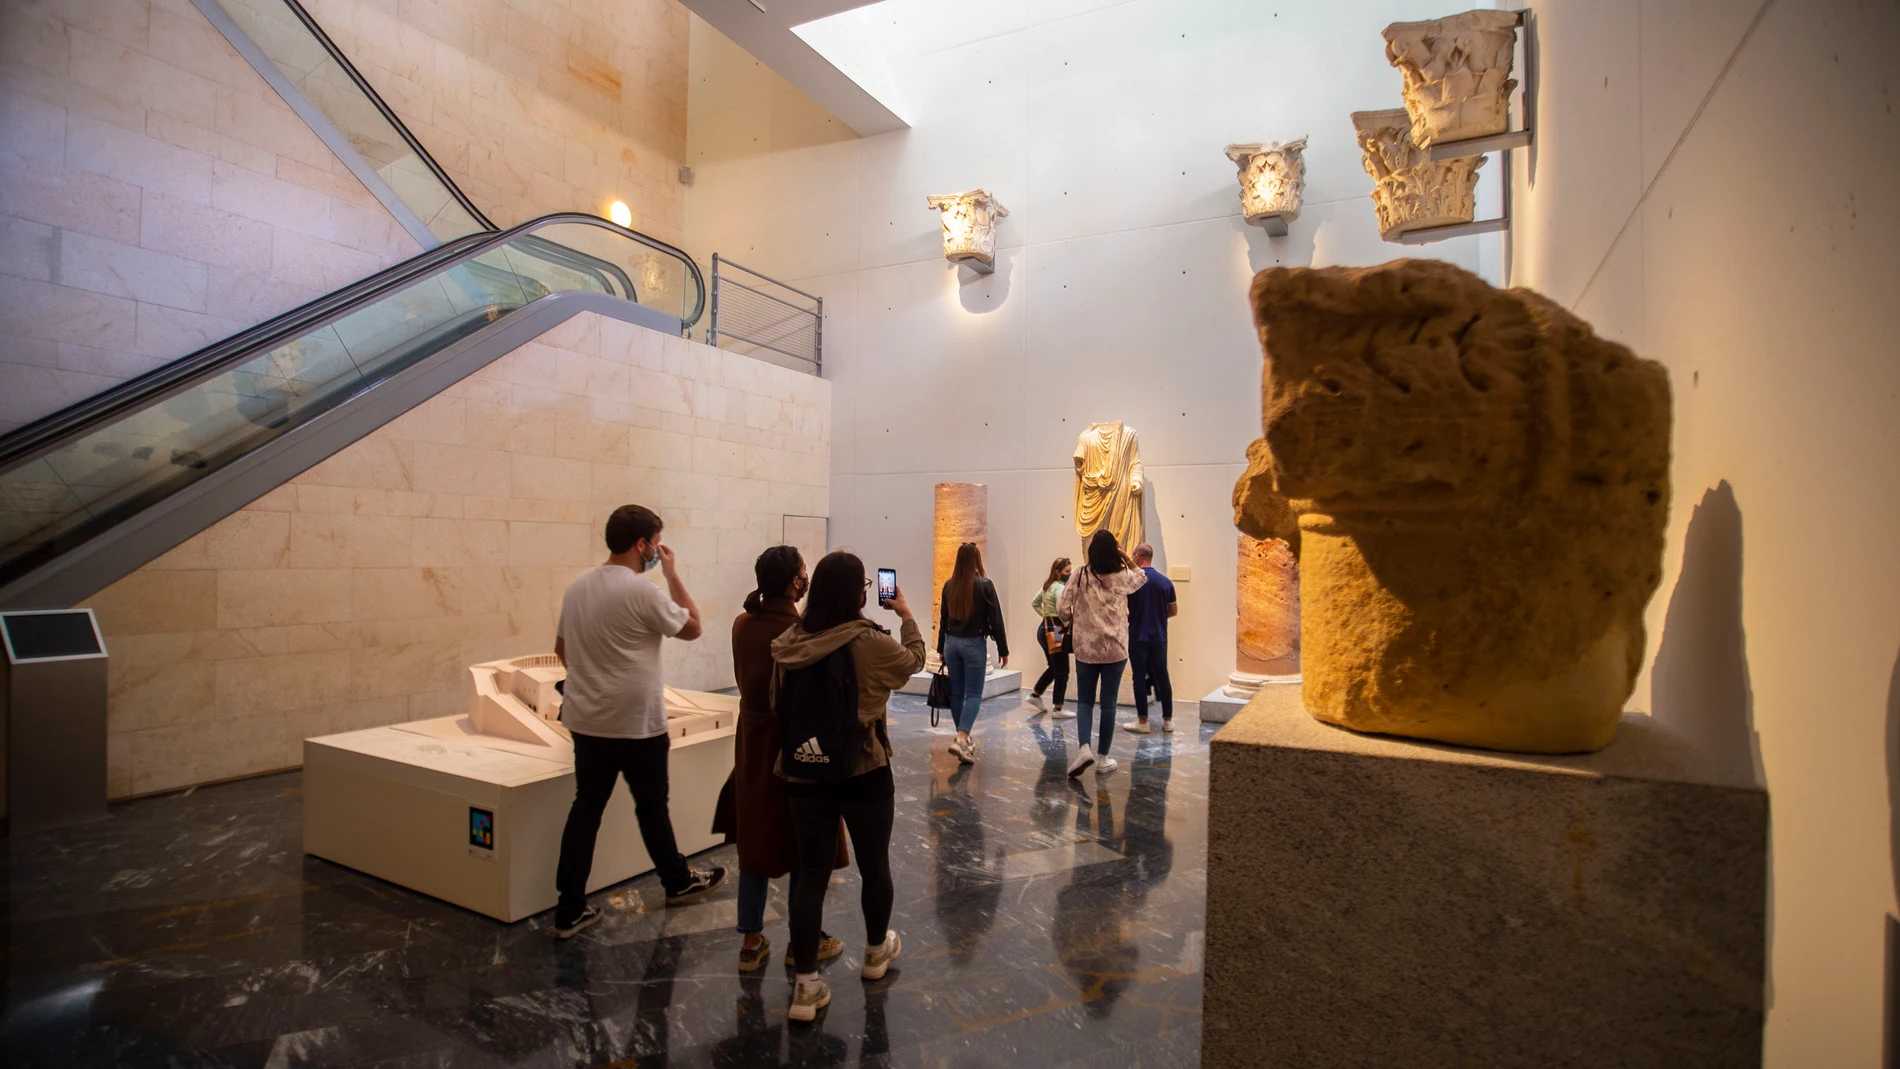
(534, 108)
(155, 195)
(357, 594)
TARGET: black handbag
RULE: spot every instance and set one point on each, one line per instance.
(939, 697)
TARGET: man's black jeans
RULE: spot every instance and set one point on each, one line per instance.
(1149, 660)
(598, 763)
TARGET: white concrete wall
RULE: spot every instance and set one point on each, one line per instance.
(1721, 199)
(1120, 290)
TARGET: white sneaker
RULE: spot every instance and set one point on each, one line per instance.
(1106, 765)
(1034, 701)
(1061, 714)
(1084, 757)
(1138, 727)
(1167, 727)
(966, 752)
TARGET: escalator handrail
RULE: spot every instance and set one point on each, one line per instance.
(389, 115)
(36, 439)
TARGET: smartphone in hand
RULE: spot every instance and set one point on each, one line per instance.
(886, 586)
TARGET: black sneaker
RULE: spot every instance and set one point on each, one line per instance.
(588, 917)
(703, 883)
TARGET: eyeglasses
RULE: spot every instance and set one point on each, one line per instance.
(867, 584)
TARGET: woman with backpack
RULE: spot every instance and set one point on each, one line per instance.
(834, 676)
(971, 615)
(1053, 636)
(754, 810)
(1096, 604)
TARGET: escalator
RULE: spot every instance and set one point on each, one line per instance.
(92, 492)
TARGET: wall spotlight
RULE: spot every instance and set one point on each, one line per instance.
(620, 213)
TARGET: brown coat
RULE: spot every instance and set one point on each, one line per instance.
(883, 663)
(753, 810)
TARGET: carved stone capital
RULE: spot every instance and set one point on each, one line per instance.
(1272, 179)
(969, 225)
(1413, 191)
(1457, 73)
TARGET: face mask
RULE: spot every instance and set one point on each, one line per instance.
(652, 560)
(799, 586)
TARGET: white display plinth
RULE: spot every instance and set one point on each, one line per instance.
(999, 681)
(395, 802)
(1219, 706)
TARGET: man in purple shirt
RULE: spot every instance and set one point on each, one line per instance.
(1149, 610)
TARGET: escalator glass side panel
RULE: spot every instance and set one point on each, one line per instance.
(188, 427)
(291, 40)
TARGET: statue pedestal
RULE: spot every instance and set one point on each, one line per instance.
(998, 681)
(1225, 702)
(1381, 901)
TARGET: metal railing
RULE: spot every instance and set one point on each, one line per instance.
(761, 312)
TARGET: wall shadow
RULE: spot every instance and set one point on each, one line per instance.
(1699, 683)
(1892, 1002)
(1296, 249)
(981, 294)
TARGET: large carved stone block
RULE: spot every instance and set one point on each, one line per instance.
(969, 225)
(1272, 179)
(1457, 73)
(963, 515)
(1411, 190)
(1480, 485)
(1267, 616)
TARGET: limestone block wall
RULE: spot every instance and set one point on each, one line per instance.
(356, 594)
(535, 108)
(155, 195)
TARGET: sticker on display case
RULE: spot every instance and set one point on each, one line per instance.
(481, 832)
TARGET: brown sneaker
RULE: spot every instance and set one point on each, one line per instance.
(754, 959)
(878, 958)
(829, 946)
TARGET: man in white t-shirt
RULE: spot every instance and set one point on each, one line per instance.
(614, 704)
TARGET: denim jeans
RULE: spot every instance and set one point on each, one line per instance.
(1089, 678)
(963, 659)
(1058, 670)
(1148, 659)
(753, 891)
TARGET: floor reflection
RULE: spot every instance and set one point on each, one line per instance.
(1045, 919)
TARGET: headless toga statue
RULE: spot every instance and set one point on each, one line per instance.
(1108, 483)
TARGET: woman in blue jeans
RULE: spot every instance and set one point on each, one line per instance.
(971, 614)
(1096, 604)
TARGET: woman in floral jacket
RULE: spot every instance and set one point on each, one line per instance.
(1096, 604)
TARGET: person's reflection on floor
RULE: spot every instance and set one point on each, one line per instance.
(1091, 926)
(968, 887)
(1055, 791)
(656, 1002)
(1144, 838)
(755, 1038)
(877, 1033)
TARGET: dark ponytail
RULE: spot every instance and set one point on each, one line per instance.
(775, 571)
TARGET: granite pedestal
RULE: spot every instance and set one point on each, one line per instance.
(1374, 901)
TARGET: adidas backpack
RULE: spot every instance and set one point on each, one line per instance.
(818, 717)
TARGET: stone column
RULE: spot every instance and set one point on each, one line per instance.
(1413, 191)
(963, 515)
(1267, 627)
(1457, 73)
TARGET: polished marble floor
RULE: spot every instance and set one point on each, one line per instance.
(1046, 922)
